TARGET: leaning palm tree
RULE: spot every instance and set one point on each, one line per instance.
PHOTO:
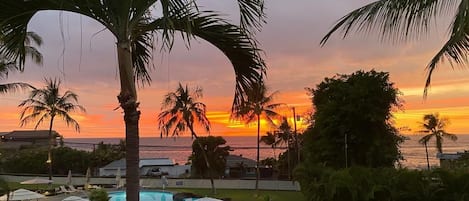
(181, 111)
(398, 20)
(47, 104)
(257, 106)
(434, 125)
(134, 24)
(8, 65)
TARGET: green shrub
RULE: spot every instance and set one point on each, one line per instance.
(382, 184)
(99, 195)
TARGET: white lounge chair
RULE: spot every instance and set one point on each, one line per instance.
(65, 190)
(72, 188)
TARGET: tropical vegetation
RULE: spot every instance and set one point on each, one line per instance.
(408, 20)
(181, 111)
(8, 64)
(381, 184)
(258, 105)
(434, 127)
(215, 151)
(30, 160)
(47, 104)
(353, 122)
(134, 25)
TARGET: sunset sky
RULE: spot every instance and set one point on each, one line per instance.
(81, 54)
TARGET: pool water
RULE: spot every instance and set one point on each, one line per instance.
(144, 196)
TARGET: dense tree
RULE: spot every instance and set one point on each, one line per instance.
(134, 25)
(49, 103)
(104, 154)
(353, 121)
(31, 159)
(26, 161)
(433, 126)
(399, 20)
(212, 147)
(8, 64)
(66, 158)
(257, 106)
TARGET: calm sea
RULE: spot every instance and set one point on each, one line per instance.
(179, 148)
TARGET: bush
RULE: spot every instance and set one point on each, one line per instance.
(382, 184)
(99, 195)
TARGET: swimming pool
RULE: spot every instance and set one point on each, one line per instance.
(144, 196)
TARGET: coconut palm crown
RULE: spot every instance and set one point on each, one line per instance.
(403, 20)
(434, 126)
(181, 111)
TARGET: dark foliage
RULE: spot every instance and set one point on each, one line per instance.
(354, 111)
(382, 184)
(216, 154)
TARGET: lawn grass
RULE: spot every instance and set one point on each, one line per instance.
(42, 187)
(246, 195)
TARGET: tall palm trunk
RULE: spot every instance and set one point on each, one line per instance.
(49, 149)
(207, 163)
(128, 102)
(426, 151)
(258, 148)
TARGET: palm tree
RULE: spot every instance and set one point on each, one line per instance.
(403, 20)
(258, 105)
(9, 65)
(285, 135)
(434, 126)
(180, 112)
(133, 25)
(270, 139)
(48, 103)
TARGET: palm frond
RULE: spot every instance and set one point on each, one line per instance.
(394, 20)
(237, 45)
(450, 136)
(425, 139)
(456, 48)
(69, 121)
(6, 67)
(14, 87)
(252, 14)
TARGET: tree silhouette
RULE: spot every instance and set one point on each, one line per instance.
(434, 126)
(257, 106)
(48, 103)
(406, 20)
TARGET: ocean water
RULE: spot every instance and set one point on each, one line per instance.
(179, 148)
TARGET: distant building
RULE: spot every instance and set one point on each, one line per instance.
(240, 167)
(148, 167)
(18, 138)
(454, 160)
